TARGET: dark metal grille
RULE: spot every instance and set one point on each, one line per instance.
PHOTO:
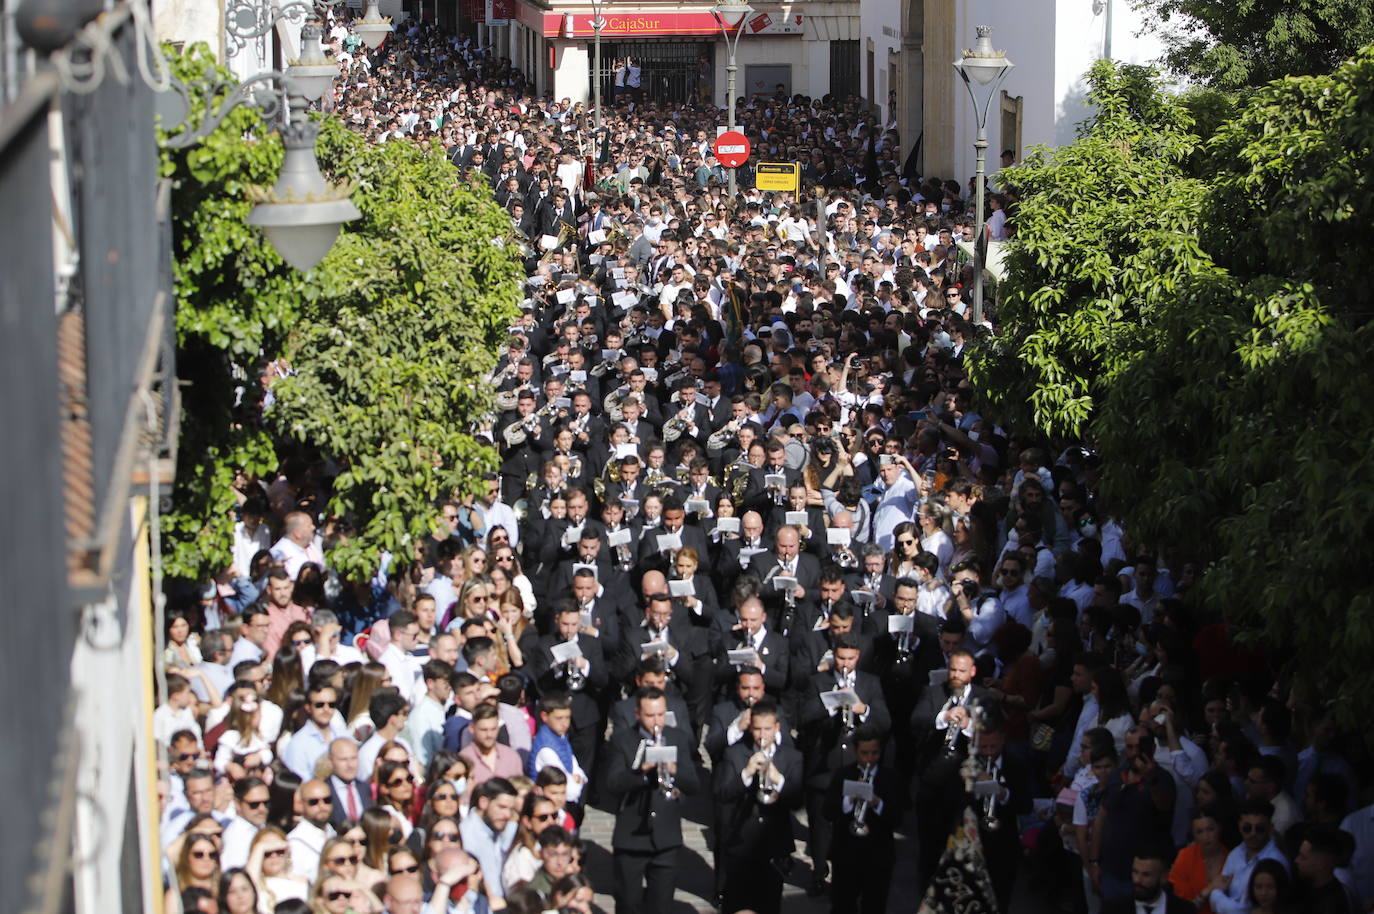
(844, 68)
(671, 70)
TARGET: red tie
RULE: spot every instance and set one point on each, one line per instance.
(353, 802)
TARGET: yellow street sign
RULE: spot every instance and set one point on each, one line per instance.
(778, 176)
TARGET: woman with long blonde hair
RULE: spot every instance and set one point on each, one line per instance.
(197, 866)
(269, 866)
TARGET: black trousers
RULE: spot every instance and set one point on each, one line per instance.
(818, 829)
(752, 884)
(644, 881)
(861, 876)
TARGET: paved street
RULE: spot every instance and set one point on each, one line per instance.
(695, 879)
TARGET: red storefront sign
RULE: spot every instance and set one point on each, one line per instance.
(476, 10)
(632, 25)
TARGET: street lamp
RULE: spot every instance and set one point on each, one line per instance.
(598, 23)
(982, 70)
(730, 17)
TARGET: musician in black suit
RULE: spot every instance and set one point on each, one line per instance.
(613, 521)
(558, 540)
(758, 494)
(674, 521)
(943, 729)
(755, 795)
(751, 632)
(730, 718)
(583, 677)
(1012, 798)
(813, 650)
(590, 552)
(699, 487)
(827, 736)
(685, 651)
(871, 577)
(811, 530)
(651, 673)
(600, 617)
(784, 561)
(648, 824)
(904, 661)
(862, 848)
(735, 553)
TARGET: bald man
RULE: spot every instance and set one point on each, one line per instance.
(315, 803)
(454, 867)
(404, 895)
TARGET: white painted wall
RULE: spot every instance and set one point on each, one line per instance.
(572, 75)
(1053, 43)
(881, 23)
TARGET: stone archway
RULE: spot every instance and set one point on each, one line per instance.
(926, 89)
(911, 75)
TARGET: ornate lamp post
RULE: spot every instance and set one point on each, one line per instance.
(982, 69)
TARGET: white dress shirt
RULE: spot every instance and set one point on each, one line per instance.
(307, 841)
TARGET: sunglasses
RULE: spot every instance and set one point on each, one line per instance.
(276, 852)
(324, 704)
(546, 817)
(397, 782)
(413, 868)
(299, 642)
(337, 896)
(202, 855)
(187, 756)
(445, 796)
(340, 861)
(256, 804)
(445, 836)
(318, 801)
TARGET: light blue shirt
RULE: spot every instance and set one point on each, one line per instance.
(306, 747)
(490, 848)
(897, 505)
(1234, 900)
(426, 728)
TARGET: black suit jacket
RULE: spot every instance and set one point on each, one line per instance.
(646, 821)
(815, 523)
(890, 788)
(748, 829)
(550, 676)
(651, 558)
(1172, 905)
(340, 813)
(777, 661)
(823, 734)
(932, 702)
(757, 497)
(722, 716)
(906, 675)
(623, 719)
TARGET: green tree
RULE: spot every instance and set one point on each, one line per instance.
(1104, 235)
(1242, 45)
(1211, 341)
(389, 339)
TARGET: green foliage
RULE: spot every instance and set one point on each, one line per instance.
(389, 338)
(1242, 45)
(1103, 236)
(1222, 373)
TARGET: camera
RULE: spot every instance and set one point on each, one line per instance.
(970, 588)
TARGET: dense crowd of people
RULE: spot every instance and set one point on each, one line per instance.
(750, 542)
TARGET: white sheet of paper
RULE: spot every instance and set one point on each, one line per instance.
(618, 538)
(578, 376)
(618, 272)
(696, 506)
(784, 584)
(626, 450)
(742, 656)
(682, 588)
(595, 259)
(578, 566)
(858, 790)
(837, 536)
(862, 597)
(774, 480)
(631, 505)
(565, 651)
(898, 624)
(838, 698)
(728, 525)
(608, 354)
(650, 372)
(657, 754)
(748, 552)
(565, 295)
(670, 719)
(548, 242)
(596, 237)
(795, 518)
(588, 620)
(984, 789)
(667, 541)
(653, 647)
(939, 677)
(562, 402)
(624, 299)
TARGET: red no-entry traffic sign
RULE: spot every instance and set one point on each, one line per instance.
(731, 149)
